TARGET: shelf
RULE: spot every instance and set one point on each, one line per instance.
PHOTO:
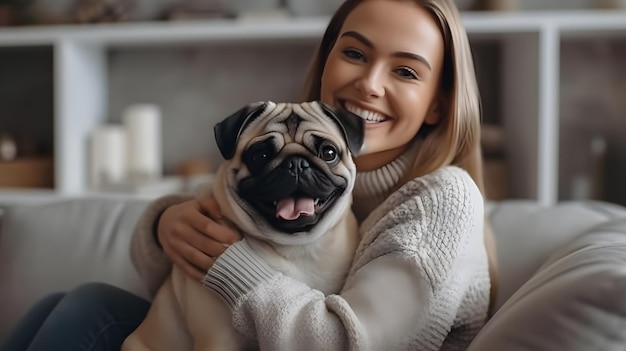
(92, 66)
(525, 21)
(164, 33)
(174, 33)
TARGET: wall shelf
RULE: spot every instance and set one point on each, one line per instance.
(529, 45)
(163, 33)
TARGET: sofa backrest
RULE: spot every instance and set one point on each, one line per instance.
(55, 246)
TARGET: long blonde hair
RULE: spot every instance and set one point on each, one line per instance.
(455, 139)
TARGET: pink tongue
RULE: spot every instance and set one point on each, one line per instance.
(291, 208)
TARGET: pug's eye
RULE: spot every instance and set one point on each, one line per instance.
(328, 152)
(258, 155)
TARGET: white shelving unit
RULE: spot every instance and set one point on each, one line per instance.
(530, 44)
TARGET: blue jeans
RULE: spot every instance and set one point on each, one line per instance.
(94, 316)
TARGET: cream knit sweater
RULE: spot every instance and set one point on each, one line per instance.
(419, 280)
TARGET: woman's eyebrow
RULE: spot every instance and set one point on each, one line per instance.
(369, 44)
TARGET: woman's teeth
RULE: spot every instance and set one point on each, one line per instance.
(368, 116)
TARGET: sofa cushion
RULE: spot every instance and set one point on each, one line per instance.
(59, 245)
(526, 234)
(576, 300)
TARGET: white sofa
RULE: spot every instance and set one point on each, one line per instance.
(563, 268)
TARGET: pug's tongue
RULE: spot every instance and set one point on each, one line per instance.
(291, 208)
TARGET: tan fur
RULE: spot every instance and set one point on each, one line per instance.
(187, 316)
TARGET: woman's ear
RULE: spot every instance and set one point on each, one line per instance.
(436, 111)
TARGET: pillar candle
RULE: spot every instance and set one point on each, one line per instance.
(107, 161)
(143, 144)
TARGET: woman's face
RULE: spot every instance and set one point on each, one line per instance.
(385, 67)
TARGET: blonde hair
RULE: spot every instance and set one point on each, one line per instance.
(455, 139)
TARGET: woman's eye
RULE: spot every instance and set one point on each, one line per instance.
(407, 72)
(354, 54)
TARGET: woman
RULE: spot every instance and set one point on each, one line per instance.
(420, 279)
(405, 67)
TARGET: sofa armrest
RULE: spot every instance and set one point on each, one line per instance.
(526, 234)
(575, 301)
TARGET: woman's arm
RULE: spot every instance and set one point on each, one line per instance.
(186, 230)
(421, 260)
(147, 255)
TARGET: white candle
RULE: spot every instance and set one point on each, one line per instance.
(8, 149)
(144, 154)
(108, 163)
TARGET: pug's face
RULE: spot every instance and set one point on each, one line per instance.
(288, 169)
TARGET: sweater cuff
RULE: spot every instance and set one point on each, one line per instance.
(236, 272)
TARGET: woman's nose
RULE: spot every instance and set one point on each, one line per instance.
(371, 84)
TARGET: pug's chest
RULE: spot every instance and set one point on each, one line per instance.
(324, 279)
(318, 271)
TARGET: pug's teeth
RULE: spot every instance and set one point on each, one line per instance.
(317, 201)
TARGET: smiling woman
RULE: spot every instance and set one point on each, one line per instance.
(405, 68)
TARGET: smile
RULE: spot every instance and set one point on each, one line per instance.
(367, 115)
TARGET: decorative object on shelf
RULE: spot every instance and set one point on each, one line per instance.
(27, 172)
(194, 166)
(195, 9)
(13, 12)
(143, 143)
(8, 15)
(102, 11)
(252, 9)
(303, 8)
(8, 148)
(46, 12)
(152, 10)
(107, 161)
(498, 5)
(609, 4)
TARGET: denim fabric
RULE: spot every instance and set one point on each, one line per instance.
(93, 316)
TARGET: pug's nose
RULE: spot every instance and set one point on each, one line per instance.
(296, 165)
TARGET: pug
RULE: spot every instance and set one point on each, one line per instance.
(286, 183)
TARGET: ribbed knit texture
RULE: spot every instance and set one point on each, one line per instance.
(430, 289)
(238, 272)
(372, 188)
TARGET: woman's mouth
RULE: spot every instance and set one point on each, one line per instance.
(367, 115)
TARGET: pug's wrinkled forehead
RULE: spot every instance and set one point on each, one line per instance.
(290, 121)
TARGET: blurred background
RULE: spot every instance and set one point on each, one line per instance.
(122, 95)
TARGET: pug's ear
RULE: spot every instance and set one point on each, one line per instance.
(228, 131)
(351, 125)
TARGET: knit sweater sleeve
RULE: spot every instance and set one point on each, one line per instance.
(412, 283)
(146, 254)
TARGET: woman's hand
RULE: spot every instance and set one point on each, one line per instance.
(194, 233)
